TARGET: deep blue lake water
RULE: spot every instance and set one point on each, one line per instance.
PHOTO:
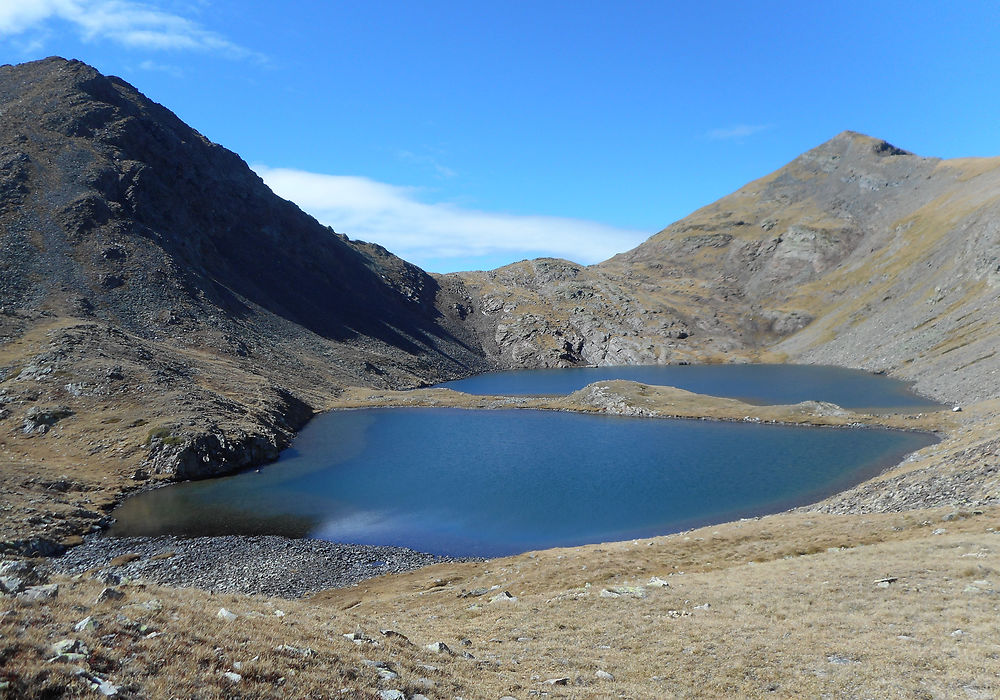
(758, 384)
(489, 483)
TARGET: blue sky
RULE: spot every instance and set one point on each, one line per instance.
(466, 134)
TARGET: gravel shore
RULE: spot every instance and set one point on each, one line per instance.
(261, 565)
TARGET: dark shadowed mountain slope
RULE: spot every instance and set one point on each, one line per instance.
(112, 208)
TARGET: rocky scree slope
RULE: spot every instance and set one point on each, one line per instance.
(856, 253)
(163, 312)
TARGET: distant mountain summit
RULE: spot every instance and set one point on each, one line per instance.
(856, 253)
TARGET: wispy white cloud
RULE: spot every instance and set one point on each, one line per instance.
(126, 22)
(17, 17)
(427, 161)
(394, 217)
(157, 67)
(32, 45)
(737, 132)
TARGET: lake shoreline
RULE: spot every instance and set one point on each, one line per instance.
(265, 565)
(634, 399)
(206, 561)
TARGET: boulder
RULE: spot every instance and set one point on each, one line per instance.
(304, 652)
(109, 594)
(39, 420)
(70, 646)
(440, 648)
(11, 585)
(17, 574)
(623, 592)
(87, 624)
(101, 685)
(46, 592)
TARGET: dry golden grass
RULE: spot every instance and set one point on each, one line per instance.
(783, 606)
(969, 168)
(159, 643)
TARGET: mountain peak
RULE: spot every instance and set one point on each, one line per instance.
(877, 146)
(52, 71)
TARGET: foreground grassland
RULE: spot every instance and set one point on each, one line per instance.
(792, 605)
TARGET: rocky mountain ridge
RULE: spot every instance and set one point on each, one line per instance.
(114, 210)
(848, 255)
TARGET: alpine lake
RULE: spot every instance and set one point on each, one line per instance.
(496, 482)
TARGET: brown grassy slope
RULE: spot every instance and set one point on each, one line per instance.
(129, 410)
(855, 253)
(924, 305)
(808, 618)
